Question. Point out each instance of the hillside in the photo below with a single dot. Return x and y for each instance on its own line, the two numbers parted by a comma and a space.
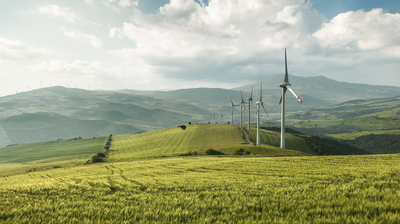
48, 155
329, 90
60, 113
372, 125
199, 138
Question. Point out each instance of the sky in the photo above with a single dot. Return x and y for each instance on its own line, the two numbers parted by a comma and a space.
175, 44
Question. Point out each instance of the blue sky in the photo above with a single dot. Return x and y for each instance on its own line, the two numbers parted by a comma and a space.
137, 44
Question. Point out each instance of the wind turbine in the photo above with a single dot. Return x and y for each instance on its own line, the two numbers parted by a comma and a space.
27, 87
221, 117
214, 117
241, 109
250, 99
232, 105
285, 85
41, 83
259, 103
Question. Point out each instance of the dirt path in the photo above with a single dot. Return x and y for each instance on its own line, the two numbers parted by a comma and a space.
245, 136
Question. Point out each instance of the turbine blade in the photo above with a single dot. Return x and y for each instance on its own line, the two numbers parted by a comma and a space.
231, 101
280, 101
286, 71
251, 95
294, 94
261, 91
241, 95
265, 110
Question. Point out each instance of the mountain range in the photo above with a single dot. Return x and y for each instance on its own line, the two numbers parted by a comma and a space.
62, 113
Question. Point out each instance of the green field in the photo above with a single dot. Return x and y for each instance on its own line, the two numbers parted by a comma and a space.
200, 137
210, 189
146, 179
44, 155
353, 135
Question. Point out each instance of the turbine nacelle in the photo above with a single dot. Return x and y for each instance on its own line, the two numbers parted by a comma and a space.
284, 84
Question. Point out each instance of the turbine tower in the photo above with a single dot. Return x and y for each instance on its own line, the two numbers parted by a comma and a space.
241, 109
285, 85
250, 99
221, 117
214, 117
259, 103
232, 105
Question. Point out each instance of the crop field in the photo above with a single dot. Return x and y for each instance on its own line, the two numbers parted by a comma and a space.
175, 141
21, 158
353, 135
210, 189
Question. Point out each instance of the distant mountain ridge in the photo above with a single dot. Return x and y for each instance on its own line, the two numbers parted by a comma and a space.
78, 112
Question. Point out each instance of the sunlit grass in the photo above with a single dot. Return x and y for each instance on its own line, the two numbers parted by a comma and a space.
335, 189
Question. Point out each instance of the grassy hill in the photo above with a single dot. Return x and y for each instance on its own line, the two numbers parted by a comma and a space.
45, 155
146, 179
199, 138
372, 125
60, 113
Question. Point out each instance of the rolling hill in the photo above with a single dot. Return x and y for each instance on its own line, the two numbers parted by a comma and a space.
62, 113
372, 125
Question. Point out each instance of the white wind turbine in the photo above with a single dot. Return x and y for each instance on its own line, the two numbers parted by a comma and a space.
232, 105
214, 117
285, 86
259, 103
250, 99
221, 117
241, 109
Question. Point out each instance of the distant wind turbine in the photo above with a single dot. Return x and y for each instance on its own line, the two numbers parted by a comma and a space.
27, 87
232, 105
241, 109
250, 99
214, 117
259, 103
285, 86
221, 117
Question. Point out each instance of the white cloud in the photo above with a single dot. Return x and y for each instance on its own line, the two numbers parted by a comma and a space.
84, 38
116, 5
76, 67
360, 30
17, 50
58, 11
221, 41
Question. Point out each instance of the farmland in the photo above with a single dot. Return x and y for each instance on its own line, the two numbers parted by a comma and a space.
36, 156
206, 189
147, 179
199, 137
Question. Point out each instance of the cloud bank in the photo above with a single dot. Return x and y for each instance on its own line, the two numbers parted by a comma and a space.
238, 40
17, 50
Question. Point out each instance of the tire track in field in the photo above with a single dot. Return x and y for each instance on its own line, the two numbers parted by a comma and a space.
245, 136
141, 185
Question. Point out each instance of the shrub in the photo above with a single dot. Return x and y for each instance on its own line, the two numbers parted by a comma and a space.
241, 152
190, 153
97, 159
102, 155
213, 152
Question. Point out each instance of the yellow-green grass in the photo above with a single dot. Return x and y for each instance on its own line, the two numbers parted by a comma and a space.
197, 137
20, 158
334, 189
272, 138
364, 123
353, 135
